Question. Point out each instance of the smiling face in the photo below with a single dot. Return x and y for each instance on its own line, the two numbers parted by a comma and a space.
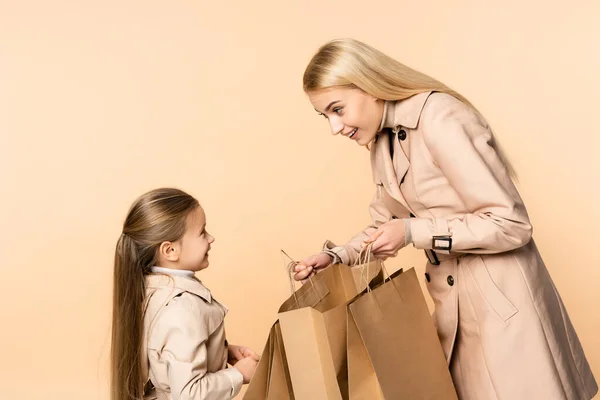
350, 112
196, 242
190, 252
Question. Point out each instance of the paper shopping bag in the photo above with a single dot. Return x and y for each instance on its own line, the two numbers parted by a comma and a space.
362, 380
271, 380
305, 356
391, 333
313, 324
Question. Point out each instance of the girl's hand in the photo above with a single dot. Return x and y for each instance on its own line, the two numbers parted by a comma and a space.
387, 239
238, 353
247, 367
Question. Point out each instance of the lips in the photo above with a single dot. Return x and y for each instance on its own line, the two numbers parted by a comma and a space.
351, 134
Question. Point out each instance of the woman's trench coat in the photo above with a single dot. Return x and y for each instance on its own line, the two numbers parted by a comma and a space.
502, 324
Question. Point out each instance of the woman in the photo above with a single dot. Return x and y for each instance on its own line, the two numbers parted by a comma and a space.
443, 185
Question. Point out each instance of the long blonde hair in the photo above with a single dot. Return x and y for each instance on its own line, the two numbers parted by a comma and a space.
349, 63
155, 217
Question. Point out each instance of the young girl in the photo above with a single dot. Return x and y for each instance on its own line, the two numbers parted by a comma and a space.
168, 336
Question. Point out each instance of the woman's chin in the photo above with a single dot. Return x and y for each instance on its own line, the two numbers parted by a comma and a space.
364, 141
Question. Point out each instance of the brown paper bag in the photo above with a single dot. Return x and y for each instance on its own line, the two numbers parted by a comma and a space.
271, 379
391, 333
313, 324
362, 380
311, 359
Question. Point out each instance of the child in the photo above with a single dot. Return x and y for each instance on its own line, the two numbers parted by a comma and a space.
168, 336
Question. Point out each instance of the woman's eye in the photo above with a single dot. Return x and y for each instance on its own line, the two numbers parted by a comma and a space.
337, 110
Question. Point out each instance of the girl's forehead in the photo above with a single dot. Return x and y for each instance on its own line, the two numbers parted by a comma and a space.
197, 217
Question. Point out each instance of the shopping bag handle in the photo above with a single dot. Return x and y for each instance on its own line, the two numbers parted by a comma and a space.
360, 262
364, 258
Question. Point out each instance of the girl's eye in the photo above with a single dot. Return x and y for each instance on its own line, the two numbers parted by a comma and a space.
337, 110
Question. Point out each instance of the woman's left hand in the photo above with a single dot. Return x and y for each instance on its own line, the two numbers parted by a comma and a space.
387, 239
237, 353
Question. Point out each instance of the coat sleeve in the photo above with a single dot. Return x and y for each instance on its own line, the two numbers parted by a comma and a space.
183, 338
461, 145
348, 253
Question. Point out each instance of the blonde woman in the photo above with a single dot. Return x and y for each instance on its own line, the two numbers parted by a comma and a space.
443, 185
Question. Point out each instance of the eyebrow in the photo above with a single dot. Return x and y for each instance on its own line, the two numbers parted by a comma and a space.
329, 105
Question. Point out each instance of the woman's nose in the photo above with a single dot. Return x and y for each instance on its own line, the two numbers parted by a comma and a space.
336, 126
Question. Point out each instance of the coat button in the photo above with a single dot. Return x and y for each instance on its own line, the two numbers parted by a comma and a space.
450, 280
427, 277
402, 134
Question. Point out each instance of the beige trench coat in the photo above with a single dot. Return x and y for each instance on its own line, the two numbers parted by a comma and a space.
500, 319
184, 342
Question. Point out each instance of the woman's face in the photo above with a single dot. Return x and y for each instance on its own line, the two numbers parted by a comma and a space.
351, 112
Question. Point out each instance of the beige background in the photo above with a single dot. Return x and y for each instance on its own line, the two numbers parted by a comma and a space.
102, 100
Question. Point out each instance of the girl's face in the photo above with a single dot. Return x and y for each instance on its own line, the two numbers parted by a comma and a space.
350, 112
195, 244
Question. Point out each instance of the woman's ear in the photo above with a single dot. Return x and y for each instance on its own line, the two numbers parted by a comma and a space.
169, 251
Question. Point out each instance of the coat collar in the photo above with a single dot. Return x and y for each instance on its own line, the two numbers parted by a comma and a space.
403, 112
157, 281
388, 171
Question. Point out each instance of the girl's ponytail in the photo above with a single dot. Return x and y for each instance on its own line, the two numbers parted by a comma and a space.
127, 322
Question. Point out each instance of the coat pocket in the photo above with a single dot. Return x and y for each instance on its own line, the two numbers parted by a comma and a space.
489, 290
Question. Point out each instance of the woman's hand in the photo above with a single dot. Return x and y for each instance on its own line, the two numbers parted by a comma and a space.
387, 239
313, 263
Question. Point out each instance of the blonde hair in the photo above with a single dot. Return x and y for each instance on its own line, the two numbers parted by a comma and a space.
349, 63
155, 217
